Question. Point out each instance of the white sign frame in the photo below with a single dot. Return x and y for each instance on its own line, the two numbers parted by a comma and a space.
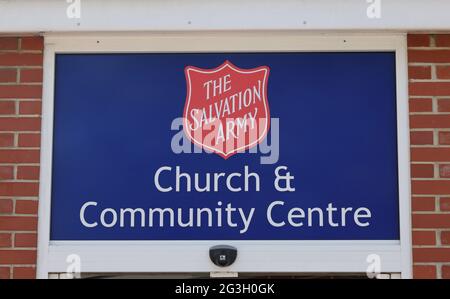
253, 256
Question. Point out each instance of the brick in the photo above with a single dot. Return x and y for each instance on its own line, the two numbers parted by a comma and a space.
424, 238
423, 203
444, 138
4, 271
19, 156
419, 72
29, 140
9, 43
443, 72
19, 223
431, 56
19, 189
445, 238
26, 207
429, 88
20, 59
6, 172
21, 91
442, 40
418, 40
423, 255
431, 187
421, 105
422, 170
30, 107
8, 75
6, 139
7, 107
24, 272
421, 137
429, 121
32, 43
20, 124
430, 154
5, 240
31, 75
6, 206
424, 271
8, 257
25, 240
430, 221
446, 271
28, 172
444, 203
444, 171
444, 105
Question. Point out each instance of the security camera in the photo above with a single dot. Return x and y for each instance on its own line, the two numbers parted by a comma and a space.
223, 255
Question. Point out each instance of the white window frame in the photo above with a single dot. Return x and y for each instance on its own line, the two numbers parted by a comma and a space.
253, 256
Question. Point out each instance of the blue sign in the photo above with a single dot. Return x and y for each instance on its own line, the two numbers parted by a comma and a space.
130, 164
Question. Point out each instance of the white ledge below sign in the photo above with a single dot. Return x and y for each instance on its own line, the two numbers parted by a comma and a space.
253, 256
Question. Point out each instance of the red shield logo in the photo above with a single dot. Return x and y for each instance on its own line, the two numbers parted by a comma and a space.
226, 109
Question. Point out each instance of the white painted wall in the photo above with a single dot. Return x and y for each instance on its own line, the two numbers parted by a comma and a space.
180, 15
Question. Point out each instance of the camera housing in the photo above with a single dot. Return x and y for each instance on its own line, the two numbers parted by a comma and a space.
223, 255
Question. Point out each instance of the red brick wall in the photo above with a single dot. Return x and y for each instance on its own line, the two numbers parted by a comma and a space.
20, 120
429, 90
20, 110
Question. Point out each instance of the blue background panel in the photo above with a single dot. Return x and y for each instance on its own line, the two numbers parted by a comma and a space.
113, 114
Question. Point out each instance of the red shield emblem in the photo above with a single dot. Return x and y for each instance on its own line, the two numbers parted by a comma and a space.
226, 109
